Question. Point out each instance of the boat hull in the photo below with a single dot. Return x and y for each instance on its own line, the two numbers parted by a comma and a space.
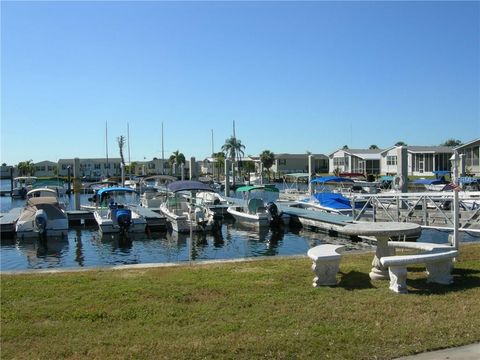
109, 226
262, 219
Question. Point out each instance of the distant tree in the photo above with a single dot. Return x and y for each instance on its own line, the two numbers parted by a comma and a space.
177, 158
26, 168
131, 168
219, 161
400, 143
373, 147
4, 164
452, 143
345, 147
308, 152
267, 159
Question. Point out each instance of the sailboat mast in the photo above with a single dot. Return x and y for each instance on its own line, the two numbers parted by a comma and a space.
128, 142
163, 154
213, 151
106, 145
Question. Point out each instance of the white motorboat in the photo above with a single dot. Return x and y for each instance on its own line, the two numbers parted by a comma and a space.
21, 185
154, 190
258, 208
43, 215
115, 211
182, 210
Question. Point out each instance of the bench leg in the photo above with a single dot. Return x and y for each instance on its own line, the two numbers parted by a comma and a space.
440, 272
326, 271
398, 279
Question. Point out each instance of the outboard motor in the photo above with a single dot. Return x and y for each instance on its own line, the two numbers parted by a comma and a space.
40, 222
273, 210
124, 219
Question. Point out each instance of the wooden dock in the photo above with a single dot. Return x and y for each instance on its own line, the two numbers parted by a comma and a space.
155, 220
7, 222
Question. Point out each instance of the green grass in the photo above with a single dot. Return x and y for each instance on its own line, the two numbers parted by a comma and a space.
250, 310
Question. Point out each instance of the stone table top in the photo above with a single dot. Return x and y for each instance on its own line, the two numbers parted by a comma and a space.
382, 229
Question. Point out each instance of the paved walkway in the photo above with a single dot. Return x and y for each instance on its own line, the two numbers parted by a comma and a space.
468, 352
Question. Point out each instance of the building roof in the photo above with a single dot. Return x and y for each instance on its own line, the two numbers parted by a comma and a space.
468, 144
424, 149
297, 156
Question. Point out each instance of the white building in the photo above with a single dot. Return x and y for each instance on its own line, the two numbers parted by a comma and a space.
471, 156
422, 160
362, 161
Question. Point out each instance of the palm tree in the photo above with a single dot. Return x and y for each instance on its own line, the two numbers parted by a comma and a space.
373, 147
177, 158
345, 147
233, 148
267, 159
26, 168
400, 143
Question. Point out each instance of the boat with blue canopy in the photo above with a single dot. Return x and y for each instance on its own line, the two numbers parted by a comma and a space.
330, 199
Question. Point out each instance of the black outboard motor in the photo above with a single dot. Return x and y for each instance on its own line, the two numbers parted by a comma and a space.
124, 219
40, 224
273, 210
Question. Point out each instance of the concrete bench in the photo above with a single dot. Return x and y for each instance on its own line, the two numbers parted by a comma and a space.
326, 262
436, 257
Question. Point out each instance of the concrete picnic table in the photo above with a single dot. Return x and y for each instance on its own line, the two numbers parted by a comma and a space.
382, 231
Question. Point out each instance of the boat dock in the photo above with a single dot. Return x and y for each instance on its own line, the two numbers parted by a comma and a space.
332, 224
155, 221
8, 220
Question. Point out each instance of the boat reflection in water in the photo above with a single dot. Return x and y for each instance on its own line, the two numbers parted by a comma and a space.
44, 252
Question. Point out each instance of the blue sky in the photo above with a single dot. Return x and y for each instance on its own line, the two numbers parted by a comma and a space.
294, 76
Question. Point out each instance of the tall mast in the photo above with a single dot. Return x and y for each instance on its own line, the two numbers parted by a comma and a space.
163, 154
213, 151
128, 141
106, 143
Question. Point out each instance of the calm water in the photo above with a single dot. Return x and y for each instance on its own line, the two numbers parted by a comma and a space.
85, 247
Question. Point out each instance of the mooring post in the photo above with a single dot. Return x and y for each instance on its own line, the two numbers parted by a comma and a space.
77, 186
310, 172
69, 180
456, 208
193, 172
227, 180
11, 181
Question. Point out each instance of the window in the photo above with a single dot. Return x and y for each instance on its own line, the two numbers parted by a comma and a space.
151, 165
338, 161
391, 160
282, 161
97, 166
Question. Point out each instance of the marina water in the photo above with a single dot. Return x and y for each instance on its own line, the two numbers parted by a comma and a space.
86, 247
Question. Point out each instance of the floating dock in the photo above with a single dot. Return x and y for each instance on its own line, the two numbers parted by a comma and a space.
155, 221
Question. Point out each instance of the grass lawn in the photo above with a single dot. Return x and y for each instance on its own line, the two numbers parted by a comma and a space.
248, 310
